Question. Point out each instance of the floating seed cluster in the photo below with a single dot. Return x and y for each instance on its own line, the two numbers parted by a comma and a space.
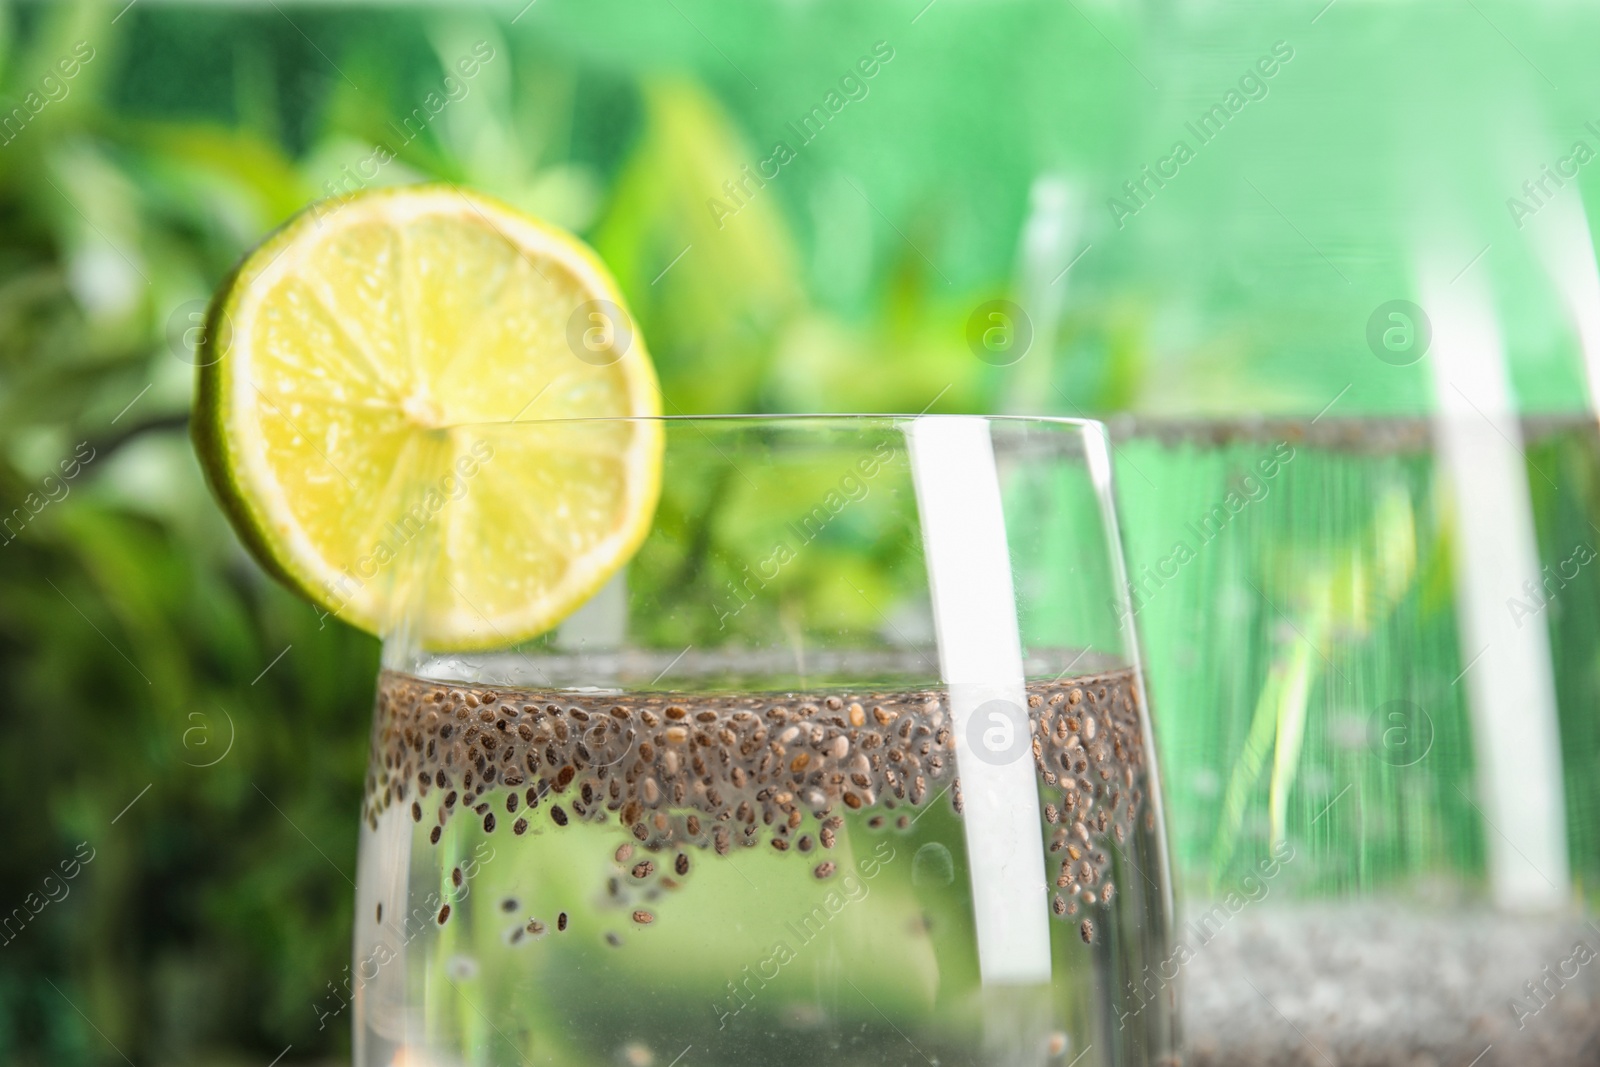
739, 771
1088, 747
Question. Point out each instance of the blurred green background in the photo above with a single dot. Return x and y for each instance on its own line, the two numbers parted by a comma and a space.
198, 728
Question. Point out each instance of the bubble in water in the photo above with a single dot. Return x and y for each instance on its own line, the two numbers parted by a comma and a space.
932, 866
636, 1054
461, 968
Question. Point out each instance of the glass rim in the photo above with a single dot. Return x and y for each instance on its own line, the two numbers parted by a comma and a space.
759, 419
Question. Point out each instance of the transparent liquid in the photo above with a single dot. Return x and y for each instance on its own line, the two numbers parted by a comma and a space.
1384, 793
742, 879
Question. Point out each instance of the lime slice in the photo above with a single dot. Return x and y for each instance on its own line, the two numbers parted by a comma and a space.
356, 375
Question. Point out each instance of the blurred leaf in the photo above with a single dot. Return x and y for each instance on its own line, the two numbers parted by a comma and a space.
711, 325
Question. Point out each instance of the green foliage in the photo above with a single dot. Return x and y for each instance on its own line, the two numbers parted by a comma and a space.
205, 734
192, 722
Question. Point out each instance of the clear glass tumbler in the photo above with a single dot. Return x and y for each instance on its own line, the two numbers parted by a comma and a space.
850, 764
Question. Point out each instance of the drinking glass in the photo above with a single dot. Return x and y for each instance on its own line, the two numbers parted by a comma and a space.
1386, 817
849, 764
